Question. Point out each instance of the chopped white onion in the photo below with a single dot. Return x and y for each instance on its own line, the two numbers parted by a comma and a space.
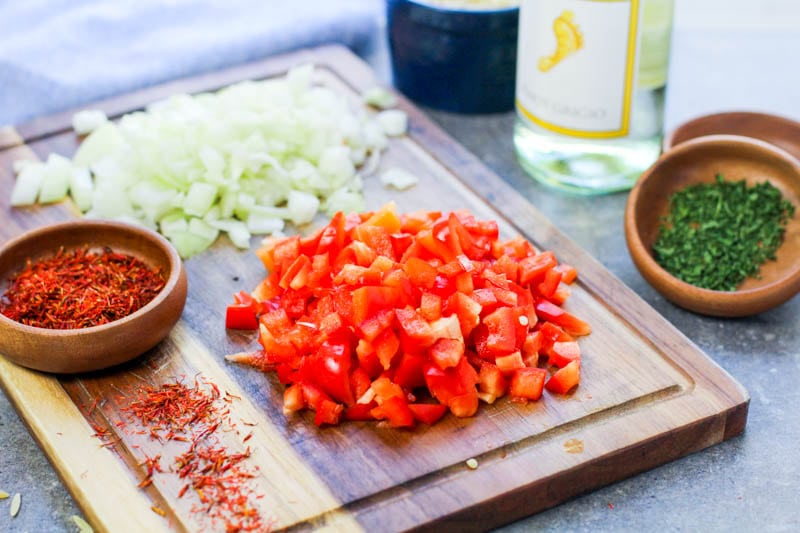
26, 188
393, 121
88, 120
398, 178
242, 161
380, 97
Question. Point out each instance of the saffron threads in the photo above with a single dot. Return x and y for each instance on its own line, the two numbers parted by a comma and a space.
217, 479
80, 289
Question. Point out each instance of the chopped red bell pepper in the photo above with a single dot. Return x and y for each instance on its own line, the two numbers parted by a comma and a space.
427, 413
363, 315
565, 379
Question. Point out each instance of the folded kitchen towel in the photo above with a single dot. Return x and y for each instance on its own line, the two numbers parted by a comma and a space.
58, 54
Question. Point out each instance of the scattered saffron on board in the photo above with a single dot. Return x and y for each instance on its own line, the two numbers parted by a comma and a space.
218, 479
80, 289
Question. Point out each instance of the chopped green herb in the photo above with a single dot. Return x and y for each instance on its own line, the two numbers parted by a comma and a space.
717, 234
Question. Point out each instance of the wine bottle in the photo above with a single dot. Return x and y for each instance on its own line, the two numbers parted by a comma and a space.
591, 78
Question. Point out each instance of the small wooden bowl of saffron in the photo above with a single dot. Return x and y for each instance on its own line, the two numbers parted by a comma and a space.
84, 349
696, 161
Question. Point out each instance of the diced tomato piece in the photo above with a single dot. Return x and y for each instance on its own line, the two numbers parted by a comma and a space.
415, 328
396, 410
466, 309
241, 316
565, 379
415, 221
518, 248
401, 242
493, 279
267, 291
464, 283
533, 269
243, 297
296, 274
447, 353
551, 280
328, 412
439, 249
329, 369
427, 413
485, 297
330, 323
359, 382
430, 306
293, 399
563, 353
451, 382
284, 253
367, 301
447, 327
409, 371
376, 324
464, 405
312, 395
570, 323
420, 272
277, 349
368, 358
320, 274
376, 237
342, 299
486, 228
384, 388
346, 256
333, 236
360, 411
364, 255
508, 364
310, 243
527, 383
562, 293
501, 325
491, 381
508, 266
505, 296
531, 348
568, 273
387, 345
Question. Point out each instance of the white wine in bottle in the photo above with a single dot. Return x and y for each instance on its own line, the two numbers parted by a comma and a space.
591, 77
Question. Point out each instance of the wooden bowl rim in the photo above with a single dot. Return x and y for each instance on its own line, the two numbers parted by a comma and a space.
698, 299
171, 283
669, 139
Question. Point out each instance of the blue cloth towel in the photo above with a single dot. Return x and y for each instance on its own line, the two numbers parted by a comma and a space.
58, 54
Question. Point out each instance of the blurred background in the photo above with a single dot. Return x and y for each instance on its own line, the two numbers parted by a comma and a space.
58, 54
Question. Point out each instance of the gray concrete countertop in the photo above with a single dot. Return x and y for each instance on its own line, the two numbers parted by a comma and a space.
726, 55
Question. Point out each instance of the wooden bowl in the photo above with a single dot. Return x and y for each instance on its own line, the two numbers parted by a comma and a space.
93, 348
780, 131
699, 160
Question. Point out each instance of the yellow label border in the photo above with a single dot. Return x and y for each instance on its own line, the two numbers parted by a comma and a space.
630, 64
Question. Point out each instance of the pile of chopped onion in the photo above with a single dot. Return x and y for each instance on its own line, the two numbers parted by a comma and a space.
242, 161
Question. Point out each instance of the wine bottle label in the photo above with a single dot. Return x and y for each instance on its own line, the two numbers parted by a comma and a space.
576, 65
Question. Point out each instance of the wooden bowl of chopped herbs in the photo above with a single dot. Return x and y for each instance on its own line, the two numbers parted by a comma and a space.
86, 295
712, 226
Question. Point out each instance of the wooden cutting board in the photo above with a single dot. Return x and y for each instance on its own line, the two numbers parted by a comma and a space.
647, 394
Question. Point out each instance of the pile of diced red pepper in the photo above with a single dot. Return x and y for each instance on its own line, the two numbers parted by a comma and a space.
380, 316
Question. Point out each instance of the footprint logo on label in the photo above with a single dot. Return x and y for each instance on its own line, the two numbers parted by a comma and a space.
568, 40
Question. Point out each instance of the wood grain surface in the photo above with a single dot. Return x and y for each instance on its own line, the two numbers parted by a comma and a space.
647, 394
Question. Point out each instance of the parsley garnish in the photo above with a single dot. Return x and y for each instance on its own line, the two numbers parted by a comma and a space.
717, 234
